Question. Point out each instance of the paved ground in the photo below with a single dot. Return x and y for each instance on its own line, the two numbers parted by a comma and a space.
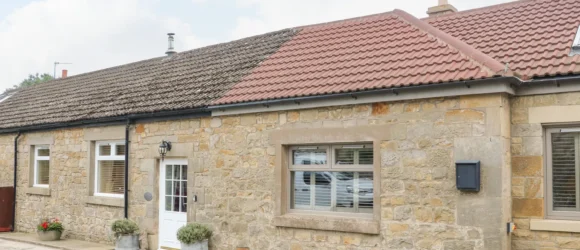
15, 245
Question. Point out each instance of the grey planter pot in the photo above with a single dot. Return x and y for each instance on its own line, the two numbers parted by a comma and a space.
49, 235
200, 245
127, 242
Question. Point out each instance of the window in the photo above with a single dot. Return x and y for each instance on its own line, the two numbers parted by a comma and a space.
563, 175
336, 178
41, 166
110, 169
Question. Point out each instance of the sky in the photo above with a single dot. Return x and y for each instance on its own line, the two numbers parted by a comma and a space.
97, 34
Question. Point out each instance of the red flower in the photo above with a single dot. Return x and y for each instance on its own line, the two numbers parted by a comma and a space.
45, 225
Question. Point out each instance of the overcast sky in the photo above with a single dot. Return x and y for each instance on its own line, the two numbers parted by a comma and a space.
96, 34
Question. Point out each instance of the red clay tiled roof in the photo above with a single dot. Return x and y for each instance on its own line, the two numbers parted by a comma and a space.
534, 37
387, 50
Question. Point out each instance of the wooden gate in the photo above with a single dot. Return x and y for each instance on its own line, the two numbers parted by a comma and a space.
6, 208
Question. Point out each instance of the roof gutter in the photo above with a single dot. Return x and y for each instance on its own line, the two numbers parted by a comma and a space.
117, 120
511, 79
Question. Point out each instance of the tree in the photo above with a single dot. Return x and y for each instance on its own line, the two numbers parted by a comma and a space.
31, 80
34, 79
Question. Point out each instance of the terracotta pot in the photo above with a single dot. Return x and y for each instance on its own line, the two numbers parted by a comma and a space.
49, 235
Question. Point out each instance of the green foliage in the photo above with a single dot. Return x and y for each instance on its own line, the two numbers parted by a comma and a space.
34, 79
192, 233
124, 227
31, 80
50, 225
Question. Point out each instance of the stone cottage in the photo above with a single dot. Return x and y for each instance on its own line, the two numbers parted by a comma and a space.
341, 135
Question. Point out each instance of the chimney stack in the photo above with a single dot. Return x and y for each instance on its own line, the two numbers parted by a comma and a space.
64, 73
170, 47
443, 8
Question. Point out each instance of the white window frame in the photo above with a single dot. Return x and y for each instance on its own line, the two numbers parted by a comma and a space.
40, 158
330, 166
112, 157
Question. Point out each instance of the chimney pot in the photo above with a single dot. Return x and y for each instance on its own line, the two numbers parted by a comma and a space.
443, 8
170, 44
64, 73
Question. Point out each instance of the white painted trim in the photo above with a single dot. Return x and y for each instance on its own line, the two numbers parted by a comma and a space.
555, 225
111, 157
40, 158
423, 92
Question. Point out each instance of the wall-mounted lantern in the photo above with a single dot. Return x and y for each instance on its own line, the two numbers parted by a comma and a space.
164, 147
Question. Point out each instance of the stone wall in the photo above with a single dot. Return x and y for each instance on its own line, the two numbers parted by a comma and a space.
528, 181
232, 170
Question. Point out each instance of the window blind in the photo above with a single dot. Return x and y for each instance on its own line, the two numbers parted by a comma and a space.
333, 191
564, 171
111, 177
42, 172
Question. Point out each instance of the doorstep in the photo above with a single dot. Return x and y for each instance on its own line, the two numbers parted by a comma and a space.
65, 244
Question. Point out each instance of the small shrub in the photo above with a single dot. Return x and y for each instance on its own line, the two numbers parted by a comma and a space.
124, 227
193, 233
50, 225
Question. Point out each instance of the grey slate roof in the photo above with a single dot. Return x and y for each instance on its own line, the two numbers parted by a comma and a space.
186, 80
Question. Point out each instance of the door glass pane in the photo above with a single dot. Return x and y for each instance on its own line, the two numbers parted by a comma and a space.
176, 204
177, 186
168, 172
309, 157
184, 172
42, 173
176, 172
168, 203
183, 204
184, 188
564, 171
168, 187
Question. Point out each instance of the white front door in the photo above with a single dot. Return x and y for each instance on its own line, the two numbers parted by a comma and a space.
172, 201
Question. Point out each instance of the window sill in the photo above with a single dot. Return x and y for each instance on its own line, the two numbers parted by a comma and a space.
105, 201
555, 225
329, 223
38, 191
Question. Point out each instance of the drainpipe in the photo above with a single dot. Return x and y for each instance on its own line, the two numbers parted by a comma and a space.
126, 195
15, 180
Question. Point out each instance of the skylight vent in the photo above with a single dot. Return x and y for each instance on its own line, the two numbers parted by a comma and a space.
576, 43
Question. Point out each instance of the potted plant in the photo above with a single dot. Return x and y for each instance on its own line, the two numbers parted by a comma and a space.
194, 237
126, 234
50, 229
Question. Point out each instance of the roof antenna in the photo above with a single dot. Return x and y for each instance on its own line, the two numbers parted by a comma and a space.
54, 70
170, 47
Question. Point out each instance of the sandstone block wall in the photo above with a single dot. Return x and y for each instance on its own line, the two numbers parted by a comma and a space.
232, 165
529, 166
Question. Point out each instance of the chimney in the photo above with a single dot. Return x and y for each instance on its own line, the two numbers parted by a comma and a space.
64, 73
170, 48
443, 8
